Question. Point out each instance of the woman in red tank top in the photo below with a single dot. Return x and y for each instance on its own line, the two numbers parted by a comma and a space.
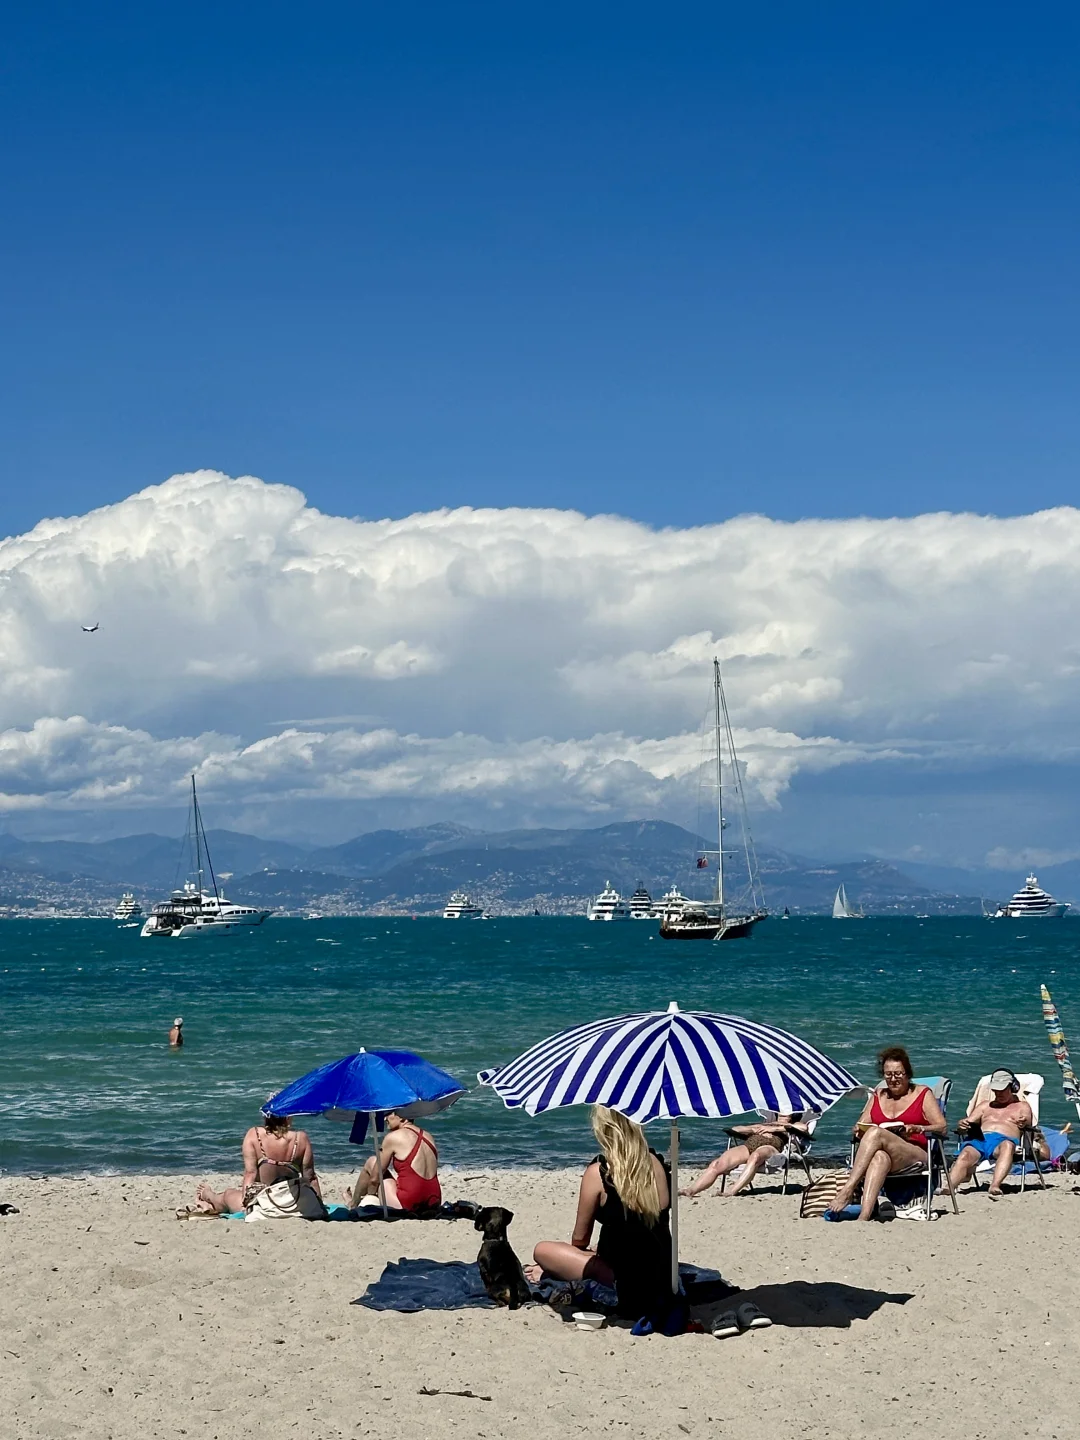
893, 1127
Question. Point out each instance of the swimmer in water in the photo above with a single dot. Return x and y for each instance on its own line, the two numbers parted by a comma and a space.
176, 1034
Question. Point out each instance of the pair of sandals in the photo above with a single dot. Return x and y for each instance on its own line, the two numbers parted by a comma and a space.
744, 1317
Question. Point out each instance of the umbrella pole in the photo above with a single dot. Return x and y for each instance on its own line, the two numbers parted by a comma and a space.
378, 1162
674, 1207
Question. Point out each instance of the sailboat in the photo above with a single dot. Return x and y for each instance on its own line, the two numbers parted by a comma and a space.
841, 910
194, 910
721, 918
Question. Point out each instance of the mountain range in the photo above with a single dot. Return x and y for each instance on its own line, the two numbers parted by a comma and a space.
414, 870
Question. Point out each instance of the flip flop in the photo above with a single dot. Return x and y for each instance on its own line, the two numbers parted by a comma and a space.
885, 1208
749, 1317
726, 1326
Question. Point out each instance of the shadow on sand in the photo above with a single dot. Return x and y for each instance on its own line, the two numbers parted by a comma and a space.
825, 1303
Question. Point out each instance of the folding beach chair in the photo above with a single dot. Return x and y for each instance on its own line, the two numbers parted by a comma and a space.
1027, 1162
797, 1148
936, 1165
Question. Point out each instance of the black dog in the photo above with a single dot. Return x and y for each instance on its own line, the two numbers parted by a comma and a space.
500, 1269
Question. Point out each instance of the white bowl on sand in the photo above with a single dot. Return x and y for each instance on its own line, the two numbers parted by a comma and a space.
587, 1319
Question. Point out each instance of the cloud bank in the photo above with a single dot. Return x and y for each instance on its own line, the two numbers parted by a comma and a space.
534, 660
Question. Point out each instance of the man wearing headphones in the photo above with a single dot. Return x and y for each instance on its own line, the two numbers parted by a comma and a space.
991, 1131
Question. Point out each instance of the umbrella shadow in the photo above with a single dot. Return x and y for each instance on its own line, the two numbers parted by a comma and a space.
826, 1304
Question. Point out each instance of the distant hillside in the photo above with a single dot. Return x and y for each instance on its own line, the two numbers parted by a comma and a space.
414, 870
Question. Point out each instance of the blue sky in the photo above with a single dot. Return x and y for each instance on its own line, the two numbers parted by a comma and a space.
675, 263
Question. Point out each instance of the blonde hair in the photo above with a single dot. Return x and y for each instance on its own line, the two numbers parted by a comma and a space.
629, 1162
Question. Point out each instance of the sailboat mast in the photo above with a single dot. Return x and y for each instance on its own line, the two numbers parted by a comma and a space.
198, 846
719, 792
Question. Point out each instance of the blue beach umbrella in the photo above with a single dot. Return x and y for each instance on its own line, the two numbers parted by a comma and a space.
363, 1086
669, 1063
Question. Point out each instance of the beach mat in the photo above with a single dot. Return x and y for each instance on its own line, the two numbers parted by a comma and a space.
410, 1286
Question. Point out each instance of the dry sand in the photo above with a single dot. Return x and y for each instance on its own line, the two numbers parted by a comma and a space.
116, 1320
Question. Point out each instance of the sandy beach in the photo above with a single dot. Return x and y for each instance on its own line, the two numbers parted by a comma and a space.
118, 1321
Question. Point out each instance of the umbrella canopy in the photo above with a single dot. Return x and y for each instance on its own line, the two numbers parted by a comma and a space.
1060, 1049
669, 1063
367, 1083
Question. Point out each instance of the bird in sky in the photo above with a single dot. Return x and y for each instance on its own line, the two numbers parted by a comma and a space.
89, 629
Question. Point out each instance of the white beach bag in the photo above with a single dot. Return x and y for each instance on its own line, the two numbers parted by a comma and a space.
287, 1200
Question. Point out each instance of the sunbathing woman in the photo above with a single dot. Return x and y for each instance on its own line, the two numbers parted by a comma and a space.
410, 1166
911, 1114
271, 1152
761, 1144
626, 1190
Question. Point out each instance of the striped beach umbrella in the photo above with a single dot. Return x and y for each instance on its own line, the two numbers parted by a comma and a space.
1061, 1050
666, 1064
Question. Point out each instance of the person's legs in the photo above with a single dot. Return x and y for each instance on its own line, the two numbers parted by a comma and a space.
755, 1163
869, 1146
901, 1153
873, 1180
963, 1167
562, 1261
1004, 1156
208, 1200
367, 1183
722, 1165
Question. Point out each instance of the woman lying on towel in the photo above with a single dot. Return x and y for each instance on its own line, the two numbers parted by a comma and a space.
410, 1168
626, 1191
271, 1152
759, 1144
892, 1132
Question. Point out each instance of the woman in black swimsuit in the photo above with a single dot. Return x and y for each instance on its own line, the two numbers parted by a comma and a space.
271, 1152
627, 1191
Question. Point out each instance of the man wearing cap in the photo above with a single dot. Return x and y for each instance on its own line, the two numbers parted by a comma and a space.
991, 1131
176, 1034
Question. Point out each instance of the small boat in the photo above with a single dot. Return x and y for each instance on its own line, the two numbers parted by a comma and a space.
841, 910
1031, 903
193, 909
608, 905
719, 918
127, 908
786, 915
461, 907
641, 905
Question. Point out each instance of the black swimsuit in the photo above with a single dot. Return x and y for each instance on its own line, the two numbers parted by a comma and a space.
639, 1254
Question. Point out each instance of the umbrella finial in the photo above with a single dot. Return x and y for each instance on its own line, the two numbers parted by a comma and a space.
673, 1008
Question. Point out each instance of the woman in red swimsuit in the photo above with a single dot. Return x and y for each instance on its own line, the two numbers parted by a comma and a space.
911, 1113
410, 1164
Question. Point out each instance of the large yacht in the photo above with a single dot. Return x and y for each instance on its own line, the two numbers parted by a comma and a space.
641, 905
461, 907
127, 908
1031, 902
608, 905
194, 909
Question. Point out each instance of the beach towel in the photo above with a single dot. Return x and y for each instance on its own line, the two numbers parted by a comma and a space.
410, 1286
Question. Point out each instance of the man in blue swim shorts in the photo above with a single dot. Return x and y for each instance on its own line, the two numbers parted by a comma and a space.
991, 1131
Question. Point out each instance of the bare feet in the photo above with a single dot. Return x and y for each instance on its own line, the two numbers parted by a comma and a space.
533, 1273
995, 1193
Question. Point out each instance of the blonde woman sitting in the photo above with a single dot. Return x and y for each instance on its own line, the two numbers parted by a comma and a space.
759, 1144
625, 1191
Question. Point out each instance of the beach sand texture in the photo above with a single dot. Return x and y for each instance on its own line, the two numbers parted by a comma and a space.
118, 1321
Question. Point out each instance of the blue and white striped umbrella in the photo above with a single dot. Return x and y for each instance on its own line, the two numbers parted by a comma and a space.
671, 1063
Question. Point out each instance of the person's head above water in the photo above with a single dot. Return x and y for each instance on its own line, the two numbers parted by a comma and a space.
629, 1162
178, 1023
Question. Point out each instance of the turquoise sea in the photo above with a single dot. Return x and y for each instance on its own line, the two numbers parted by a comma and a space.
87, 1082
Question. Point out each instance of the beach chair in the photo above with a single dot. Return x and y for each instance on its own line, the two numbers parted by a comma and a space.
793, 1150
936, 1167
1027, 1161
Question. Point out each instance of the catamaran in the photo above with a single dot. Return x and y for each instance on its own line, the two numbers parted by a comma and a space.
725, 916
194, 910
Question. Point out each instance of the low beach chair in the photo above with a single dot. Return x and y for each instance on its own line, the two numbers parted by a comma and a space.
936, 1166
1027, 1161
796, 1149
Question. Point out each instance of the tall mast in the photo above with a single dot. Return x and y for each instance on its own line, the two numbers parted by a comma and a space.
719, 792
198, 845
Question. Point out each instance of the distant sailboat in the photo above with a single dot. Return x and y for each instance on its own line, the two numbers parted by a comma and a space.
841, 910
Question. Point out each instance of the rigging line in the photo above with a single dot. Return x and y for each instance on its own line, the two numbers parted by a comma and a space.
757, 891
198, 823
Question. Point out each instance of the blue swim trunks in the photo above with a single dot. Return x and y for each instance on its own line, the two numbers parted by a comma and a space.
988, 1144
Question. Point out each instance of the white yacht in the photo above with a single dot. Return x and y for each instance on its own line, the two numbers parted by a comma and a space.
461, 907
1031, 902
194, 910
127, 908
672, 902
641, 905
608, 905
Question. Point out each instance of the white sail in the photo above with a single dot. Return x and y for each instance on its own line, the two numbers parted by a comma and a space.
840, 908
